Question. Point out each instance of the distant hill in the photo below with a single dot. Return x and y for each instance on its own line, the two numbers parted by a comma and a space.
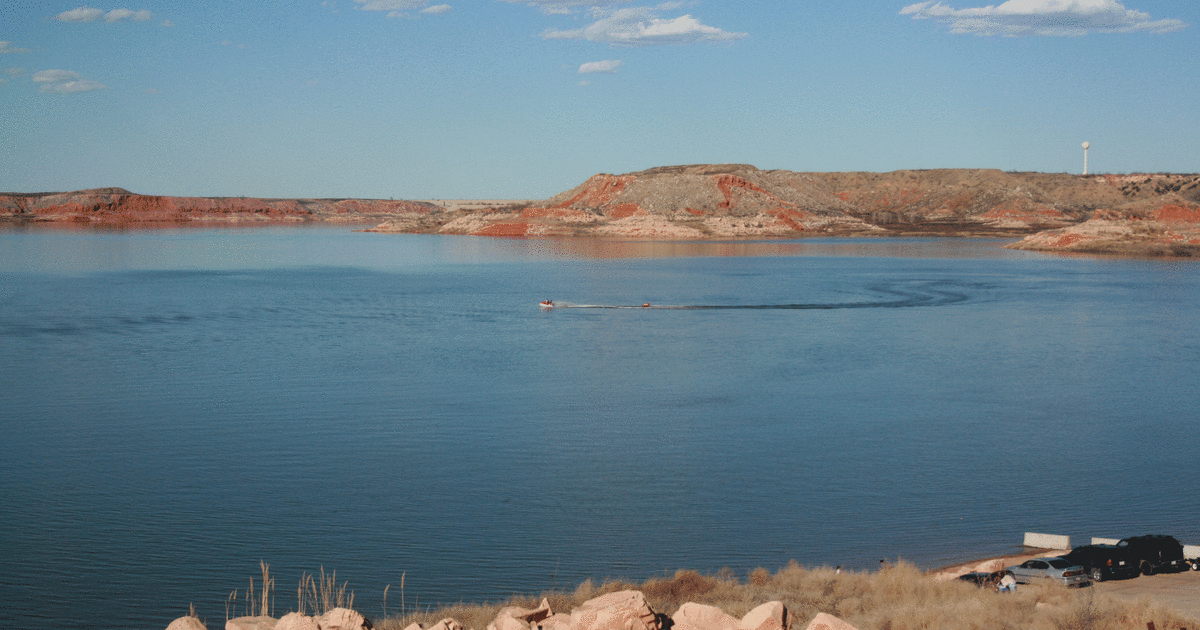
117, 206
738, 200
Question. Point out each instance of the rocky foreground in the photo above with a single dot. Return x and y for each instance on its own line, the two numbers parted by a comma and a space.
623, 610
1137, 215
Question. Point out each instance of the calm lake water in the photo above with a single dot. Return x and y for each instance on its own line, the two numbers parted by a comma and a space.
176, 405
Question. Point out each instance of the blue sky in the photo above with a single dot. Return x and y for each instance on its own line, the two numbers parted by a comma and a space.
425, 99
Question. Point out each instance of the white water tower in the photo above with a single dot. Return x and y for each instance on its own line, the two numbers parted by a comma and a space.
1085, 148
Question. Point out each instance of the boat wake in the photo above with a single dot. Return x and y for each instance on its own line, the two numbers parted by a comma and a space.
895, 295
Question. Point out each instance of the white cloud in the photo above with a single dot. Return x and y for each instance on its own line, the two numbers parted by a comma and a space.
641, 27
566, 6
609, 65
65, 82
7, 47
52, 76
89, 14
401, 8
82, 14
168, 23
585, 83
390, 5
68, 87
123, 15
1043, 17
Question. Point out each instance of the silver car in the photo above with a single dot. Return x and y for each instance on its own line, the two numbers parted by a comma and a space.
1058, 569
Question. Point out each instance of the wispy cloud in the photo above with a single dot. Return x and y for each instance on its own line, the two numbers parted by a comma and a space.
401, 8
65, 82
90, 14
641, 26
1043, 17
566, 6
609, 65
127, 15
11, 73
8, 48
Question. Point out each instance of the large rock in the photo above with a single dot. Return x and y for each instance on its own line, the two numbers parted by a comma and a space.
769, 616
828, 622
623, 610
186, 623
343, 619
297, 621
251, 623
506, 622
691, 616
517, 618
557, 621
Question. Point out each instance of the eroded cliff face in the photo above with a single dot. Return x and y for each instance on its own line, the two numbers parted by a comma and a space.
1165, 226
116, 206
738, 200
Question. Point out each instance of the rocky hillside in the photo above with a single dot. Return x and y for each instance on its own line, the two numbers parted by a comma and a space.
738, 200
1147, 214
110, 206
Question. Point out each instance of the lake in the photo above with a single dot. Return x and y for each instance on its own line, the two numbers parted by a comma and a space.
178, 404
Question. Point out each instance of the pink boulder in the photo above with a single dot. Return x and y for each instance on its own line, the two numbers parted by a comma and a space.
691, 616
558, 621
769, 616
623, 610
528, 614
297, 621
251, 623
343, 619
186, 623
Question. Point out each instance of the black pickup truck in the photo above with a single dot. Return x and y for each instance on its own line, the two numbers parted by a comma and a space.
1155, 554
1104, 562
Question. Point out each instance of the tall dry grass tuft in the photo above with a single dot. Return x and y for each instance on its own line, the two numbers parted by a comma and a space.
268, 586
320, 594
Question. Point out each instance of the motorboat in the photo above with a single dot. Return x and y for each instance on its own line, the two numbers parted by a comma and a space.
546, 304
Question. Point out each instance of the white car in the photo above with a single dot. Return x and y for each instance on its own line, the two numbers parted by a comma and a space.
1064, 571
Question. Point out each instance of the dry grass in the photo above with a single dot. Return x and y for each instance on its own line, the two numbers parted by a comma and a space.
254, 602
320, 593
898, 597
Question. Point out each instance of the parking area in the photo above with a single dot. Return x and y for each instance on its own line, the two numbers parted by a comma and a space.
1180, 591
1177, 590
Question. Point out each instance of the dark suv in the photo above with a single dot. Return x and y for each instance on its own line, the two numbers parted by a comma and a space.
1154, 554
1104, 562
